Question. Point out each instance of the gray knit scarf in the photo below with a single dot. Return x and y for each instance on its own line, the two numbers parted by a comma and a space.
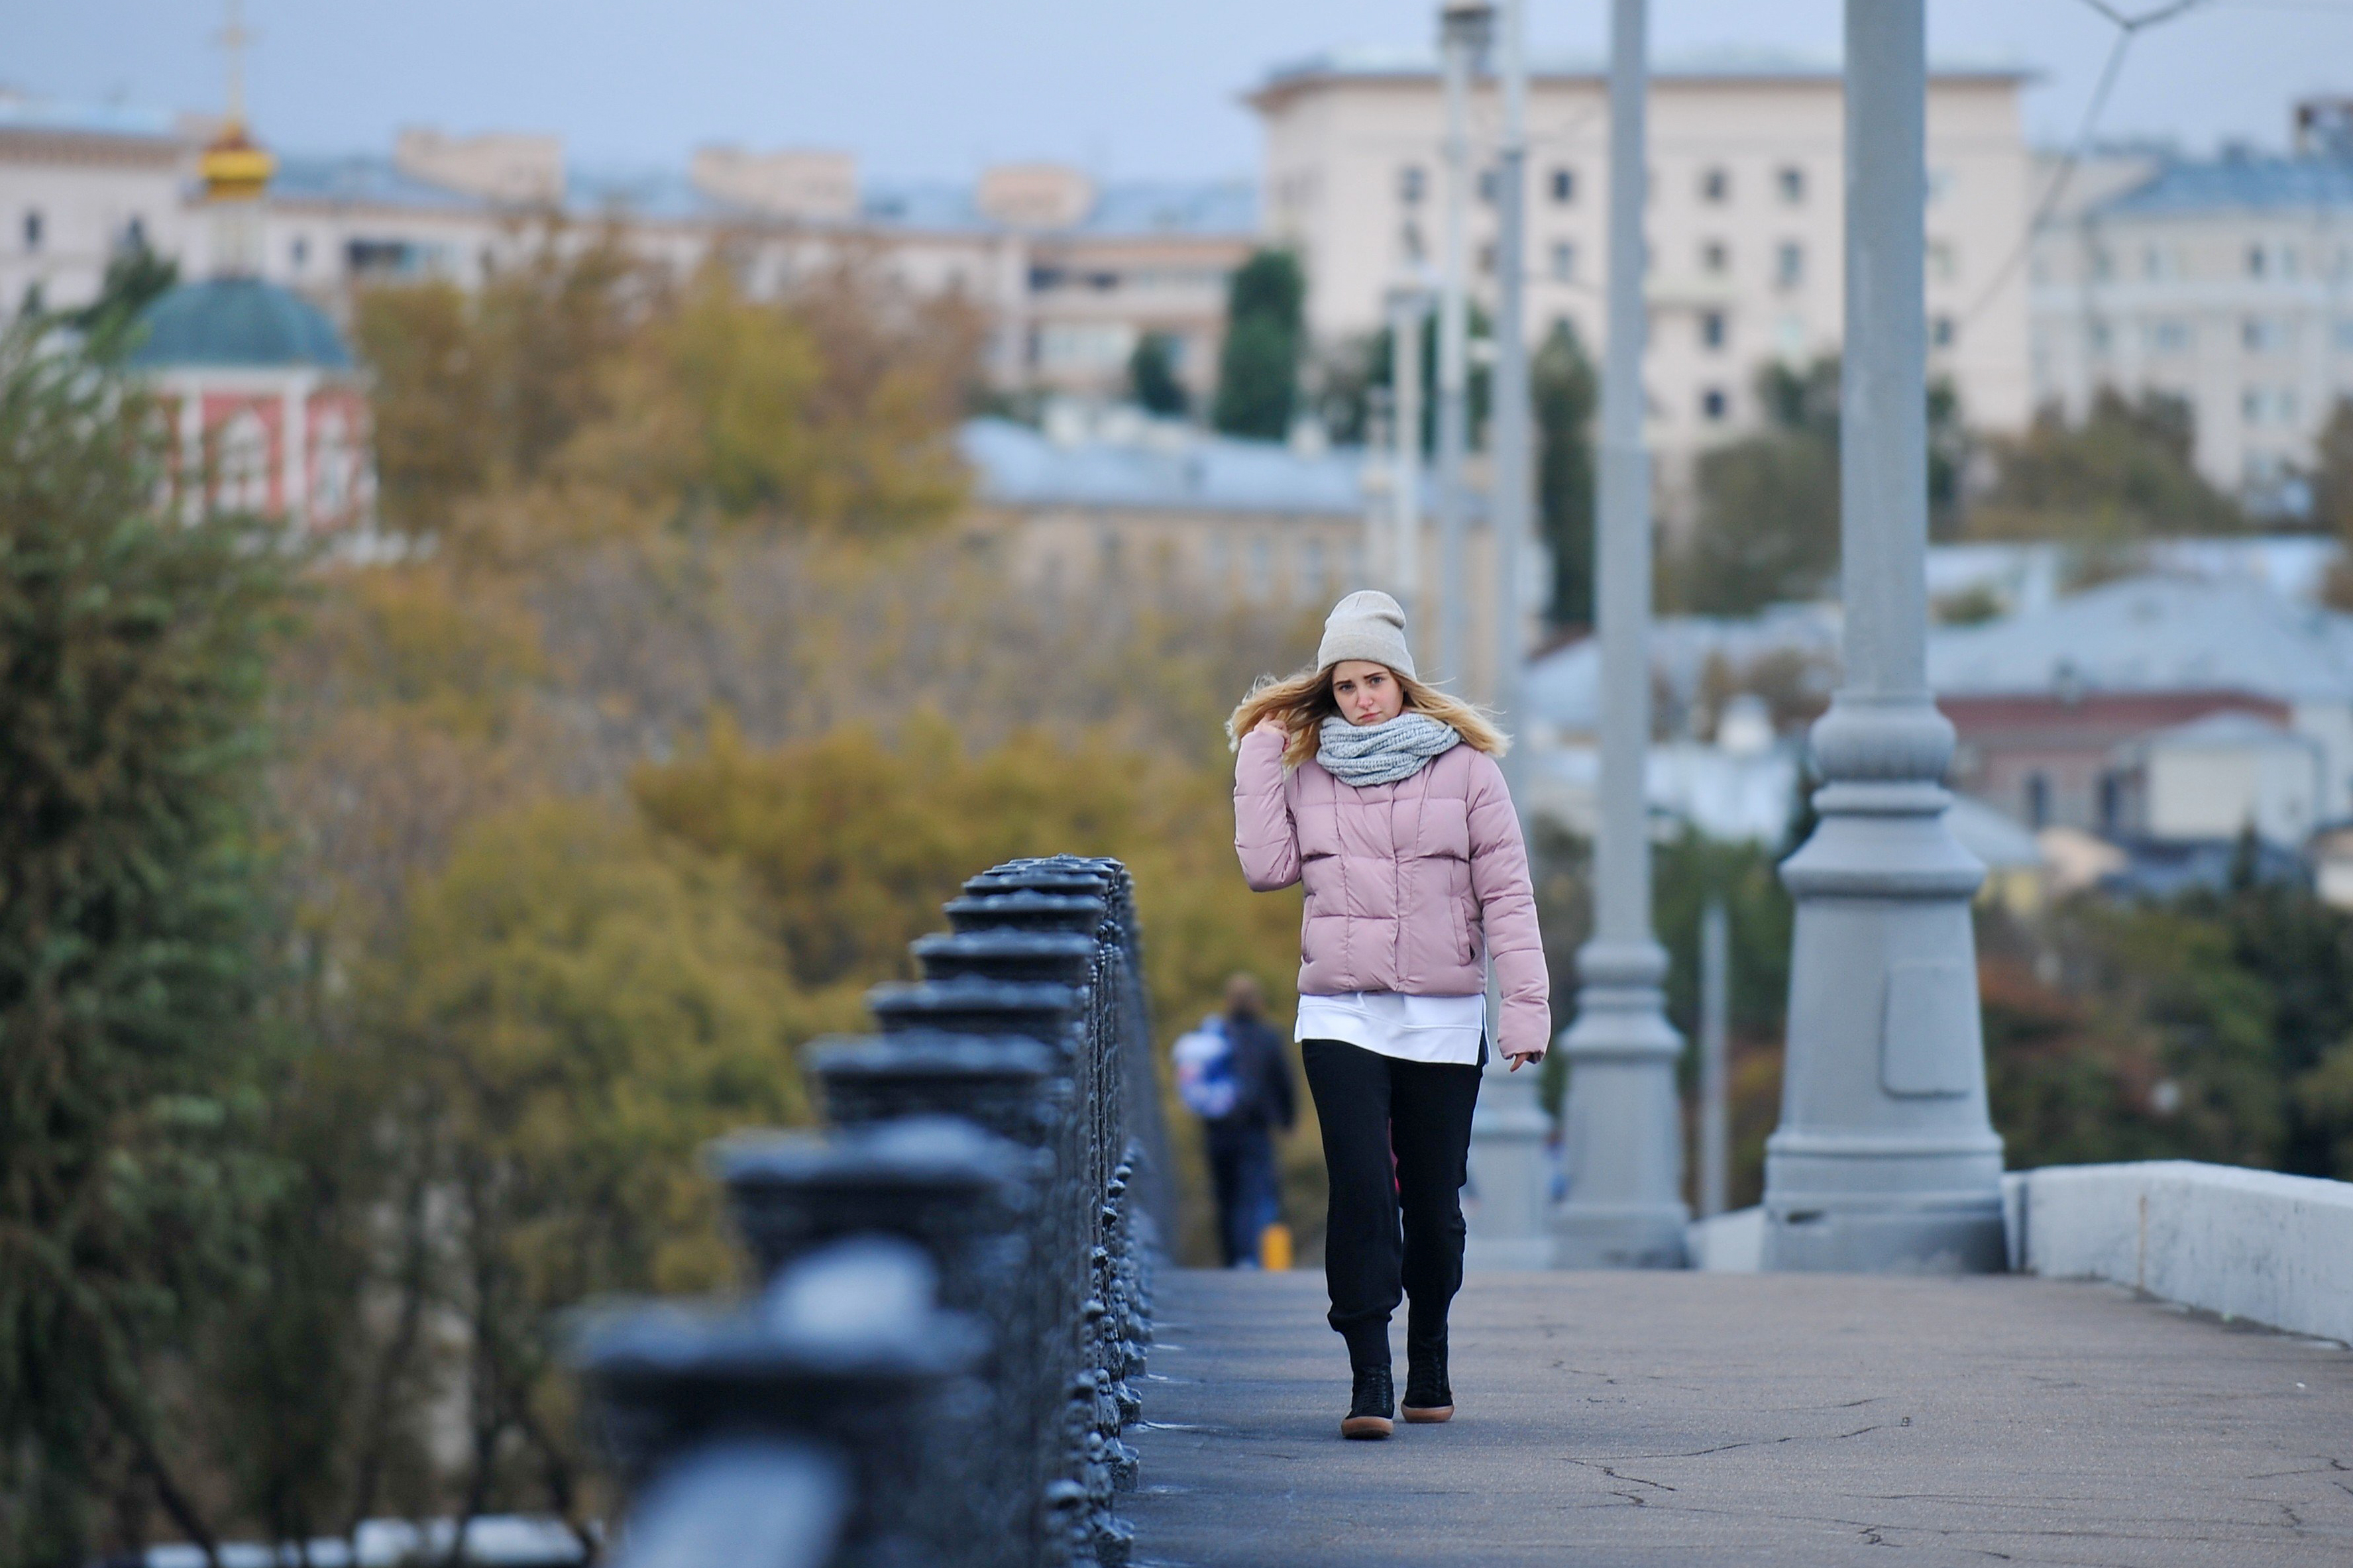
1363, 754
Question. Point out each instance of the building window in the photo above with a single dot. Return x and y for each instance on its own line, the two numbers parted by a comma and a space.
1791, 182
2345, 336
1488, 185
2168, 336
1564, 186
1411, 184
1715, 257
2264, 334
2256, 261
1940, 331
1711, 329
2104, 266
1943, 265
2289, 261
1563, 261
1714, 185
1789, 264
1487, 260
2268, 406
1940, 182
2099, 336
2038, 800
1713, 405
1409, 241
299, 252
244, 470
135, 234
33, 228
1261, 581
1314, 571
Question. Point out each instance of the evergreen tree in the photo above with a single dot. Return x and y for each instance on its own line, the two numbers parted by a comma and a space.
133, 655
1566, 393
1152, 376
1258, 373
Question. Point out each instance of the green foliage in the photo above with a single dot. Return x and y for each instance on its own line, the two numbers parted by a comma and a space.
2332, 495
1152, 376
1371, 362
1767, 529
1258, 369
1566, 394
2126, 473
135, 276
132, 1059
1767, 526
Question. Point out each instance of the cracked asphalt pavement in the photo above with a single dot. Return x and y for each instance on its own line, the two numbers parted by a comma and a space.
1656, 1419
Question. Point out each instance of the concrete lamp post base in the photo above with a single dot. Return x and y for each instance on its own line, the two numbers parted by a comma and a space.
1509, 1183
1884, 1160
1623, 1128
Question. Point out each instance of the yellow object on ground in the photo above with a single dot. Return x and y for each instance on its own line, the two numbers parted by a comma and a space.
1274, 1247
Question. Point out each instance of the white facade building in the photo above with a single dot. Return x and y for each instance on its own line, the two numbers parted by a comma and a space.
2226, 282
1746, 233
78, 185
1068, 275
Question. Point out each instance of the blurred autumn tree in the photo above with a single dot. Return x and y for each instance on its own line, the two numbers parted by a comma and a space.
683, 711
2124, 472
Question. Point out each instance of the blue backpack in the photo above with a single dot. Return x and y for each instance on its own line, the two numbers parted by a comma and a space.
1205, 1070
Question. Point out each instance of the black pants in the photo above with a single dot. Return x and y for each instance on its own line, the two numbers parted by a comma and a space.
1394, 1230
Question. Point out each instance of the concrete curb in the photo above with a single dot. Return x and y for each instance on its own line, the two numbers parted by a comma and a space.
2272, 1249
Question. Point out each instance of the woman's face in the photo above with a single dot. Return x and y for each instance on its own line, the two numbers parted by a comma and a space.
1367, 693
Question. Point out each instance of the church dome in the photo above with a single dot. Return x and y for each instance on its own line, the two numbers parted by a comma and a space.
235, 321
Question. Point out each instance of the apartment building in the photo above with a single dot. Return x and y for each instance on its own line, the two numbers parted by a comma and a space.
1070, 274
1746, 229
78, 185
2225, 281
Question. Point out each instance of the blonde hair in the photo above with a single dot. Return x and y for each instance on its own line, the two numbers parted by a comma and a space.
1301, 703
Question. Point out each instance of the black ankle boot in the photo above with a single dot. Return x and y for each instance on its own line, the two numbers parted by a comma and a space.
1369, 1404
1428, 1397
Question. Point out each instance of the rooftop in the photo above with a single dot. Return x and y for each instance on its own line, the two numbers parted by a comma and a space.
1379, 62
1160, 466
2154, 634
236, 322
22, 111
1136, 208
2236, 182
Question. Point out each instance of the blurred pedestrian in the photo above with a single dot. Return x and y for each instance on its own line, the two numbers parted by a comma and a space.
1232, 1073
1382, 796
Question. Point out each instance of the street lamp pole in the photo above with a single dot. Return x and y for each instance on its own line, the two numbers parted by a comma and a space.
1508, 1131
1884, 1158
1462, 33
1408, 308
1623, 1134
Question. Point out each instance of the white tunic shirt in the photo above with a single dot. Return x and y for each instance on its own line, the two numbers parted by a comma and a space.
1390, 1024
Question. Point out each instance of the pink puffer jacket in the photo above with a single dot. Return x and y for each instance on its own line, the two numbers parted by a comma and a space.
1410, 885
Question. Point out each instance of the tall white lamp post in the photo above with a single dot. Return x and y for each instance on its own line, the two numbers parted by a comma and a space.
1884, 1158
1623, 1127
1508, 1131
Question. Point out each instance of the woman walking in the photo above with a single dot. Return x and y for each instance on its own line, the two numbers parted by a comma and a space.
1383, 796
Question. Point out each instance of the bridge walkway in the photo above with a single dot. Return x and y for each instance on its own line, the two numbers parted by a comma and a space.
1648, 1420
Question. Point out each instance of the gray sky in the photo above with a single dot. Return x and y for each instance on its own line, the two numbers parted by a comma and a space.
1124, 88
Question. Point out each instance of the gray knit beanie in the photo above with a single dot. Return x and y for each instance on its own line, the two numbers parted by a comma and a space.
1369, 625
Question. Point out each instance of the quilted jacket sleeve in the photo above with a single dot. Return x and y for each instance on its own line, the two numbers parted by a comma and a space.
1507, 909
1264, 834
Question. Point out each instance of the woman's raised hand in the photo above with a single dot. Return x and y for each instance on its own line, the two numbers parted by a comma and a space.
1271, 727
